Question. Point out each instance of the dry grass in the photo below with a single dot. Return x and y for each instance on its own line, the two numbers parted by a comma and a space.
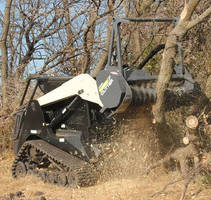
117, 189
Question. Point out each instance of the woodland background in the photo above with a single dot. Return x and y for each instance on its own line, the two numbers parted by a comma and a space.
65, 37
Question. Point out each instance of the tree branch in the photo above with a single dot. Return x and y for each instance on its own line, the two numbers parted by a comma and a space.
188, 9
199, 19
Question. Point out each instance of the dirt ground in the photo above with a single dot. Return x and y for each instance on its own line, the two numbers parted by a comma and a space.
130, 188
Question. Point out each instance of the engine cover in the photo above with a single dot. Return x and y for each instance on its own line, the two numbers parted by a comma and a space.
114, 91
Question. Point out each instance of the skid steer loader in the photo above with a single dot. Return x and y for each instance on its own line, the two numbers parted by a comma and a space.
55, 136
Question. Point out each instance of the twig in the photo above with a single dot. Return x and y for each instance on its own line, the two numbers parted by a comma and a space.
196, 171
165, 187
186, 187
190, 176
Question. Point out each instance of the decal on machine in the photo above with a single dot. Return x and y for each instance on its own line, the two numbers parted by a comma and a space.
114, 73
61, 140
35, 132
105, 85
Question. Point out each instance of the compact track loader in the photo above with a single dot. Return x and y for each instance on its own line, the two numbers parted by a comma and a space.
55, 136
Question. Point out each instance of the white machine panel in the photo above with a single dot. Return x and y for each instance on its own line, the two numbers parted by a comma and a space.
83, 85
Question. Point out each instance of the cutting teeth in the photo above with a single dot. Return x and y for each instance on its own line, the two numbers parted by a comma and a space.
143, 95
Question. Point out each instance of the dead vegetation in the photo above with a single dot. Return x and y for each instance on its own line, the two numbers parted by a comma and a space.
144, 162
154, 186
129, 156
127, 174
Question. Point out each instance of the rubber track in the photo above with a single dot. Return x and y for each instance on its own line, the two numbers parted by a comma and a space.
84, 172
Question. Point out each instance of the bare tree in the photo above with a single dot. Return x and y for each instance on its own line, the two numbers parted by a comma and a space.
102, 61
184, 24
88, 37
4, 56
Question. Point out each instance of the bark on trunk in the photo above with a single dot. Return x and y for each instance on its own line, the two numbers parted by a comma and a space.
4, 52
183, 25
102, 62
88, 40
70, 37
164, 76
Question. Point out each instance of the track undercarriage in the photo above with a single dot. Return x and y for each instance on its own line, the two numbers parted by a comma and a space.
53, 165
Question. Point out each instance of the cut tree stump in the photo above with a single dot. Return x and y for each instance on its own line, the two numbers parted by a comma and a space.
192, 124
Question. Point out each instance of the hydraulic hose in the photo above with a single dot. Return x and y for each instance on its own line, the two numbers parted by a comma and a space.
151, 54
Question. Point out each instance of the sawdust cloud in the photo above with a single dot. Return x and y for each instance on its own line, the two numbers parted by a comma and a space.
135, 147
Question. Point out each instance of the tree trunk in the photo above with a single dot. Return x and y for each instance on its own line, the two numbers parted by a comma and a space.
70, 37
102, 62
4, 52
88, 40
184, 24
164, 76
